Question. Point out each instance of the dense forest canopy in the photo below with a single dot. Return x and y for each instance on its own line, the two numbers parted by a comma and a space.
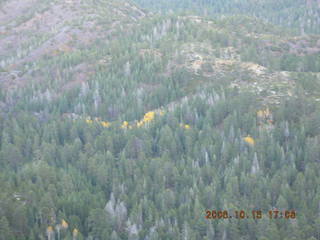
302, 15
118, 122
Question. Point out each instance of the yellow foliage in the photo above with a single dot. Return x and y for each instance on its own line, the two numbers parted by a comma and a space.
264, 113
75, 232
185, 126
125, 124
105, 124
139, 124
49, 229
64, 224
149, 116
260, 113
249, 140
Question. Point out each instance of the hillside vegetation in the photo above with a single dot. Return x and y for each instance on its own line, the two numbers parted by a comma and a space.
301, 15
120, 123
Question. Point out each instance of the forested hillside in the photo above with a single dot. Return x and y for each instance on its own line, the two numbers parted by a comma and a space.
302, 15
120, 123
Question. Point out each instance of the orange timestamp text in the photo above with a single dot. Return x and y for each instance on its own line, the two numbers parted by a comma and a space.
254, 214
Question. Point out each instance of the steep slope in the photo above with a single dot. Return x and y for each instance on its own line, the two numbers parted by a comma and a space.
179, 52
35, 30
303, 15
116, 123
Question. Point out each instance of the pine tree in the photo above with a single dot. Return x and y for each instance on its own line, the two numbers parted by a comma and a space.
5, 231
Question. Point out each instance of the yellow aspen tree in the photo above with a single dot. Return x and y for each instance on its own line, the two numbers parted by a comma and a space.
105, 124
249, 140
260, 113
187, 126
64, 224
149, 116
75, 233
50, 233
139, 124
125, 125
